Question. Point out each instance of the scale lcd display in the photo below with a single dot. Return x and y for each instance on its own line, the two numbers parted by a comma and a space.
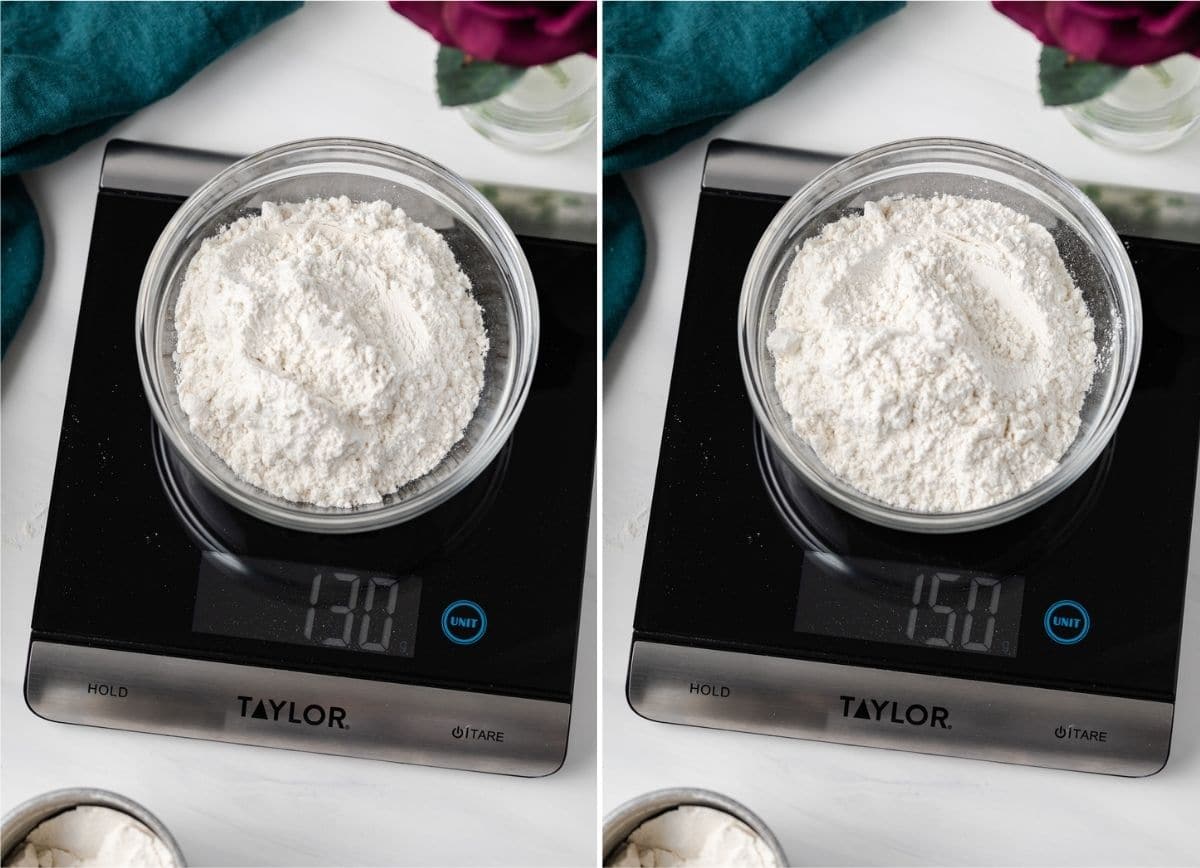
332, 607
906, 604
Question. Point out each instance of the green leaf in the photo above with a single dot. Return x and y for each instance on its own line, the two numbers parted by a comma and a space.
462, 80
1066, 80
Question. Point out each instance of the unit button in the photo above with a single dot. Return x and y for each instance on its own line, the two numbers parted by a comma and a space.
1067, 622
464, 622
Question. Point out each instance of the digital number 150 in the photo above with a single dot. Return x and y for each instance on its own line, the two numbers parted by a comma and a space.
980, 587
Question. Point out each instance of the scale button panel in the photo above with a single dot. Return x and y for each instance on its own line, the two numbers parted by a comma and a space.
464, 622
899, 710
330, 714
1067, 622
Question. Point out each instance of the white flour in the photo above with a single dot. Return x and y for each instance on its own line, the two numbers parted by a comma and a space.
694, 835
328, 351
935, 353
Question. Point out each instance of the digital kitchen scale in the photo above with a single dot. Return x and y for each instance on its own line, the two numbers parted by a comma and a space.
1052, 640
448, 640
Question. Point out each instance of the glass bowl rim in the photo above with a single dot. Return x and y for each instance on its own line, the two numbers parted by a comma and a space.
802, 206
502, 244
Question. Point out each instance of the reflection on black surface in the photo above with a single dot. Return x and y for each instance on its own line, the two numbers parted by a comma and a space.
216, 526
1010, 548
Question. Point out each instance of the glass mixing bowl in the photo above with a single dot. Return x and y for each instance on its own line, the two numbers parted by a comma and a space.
487, 252
1089, 246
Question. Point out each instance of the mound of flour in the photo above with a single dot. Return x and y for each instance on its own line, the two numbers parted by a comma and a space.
328, 351
934, 352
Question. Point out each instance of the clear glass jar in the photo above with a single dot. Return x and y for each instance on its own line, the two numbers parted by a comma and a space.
549, 107
1152, 107
1089, 246
486, 250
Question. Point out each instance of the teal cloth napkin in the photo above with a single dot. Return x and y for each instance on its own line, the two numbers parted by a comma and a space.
70, 72
673, 71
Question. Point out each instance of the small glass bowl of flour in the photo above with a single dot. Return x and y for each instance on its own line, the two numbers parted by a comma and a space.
688, 826
939, 335
337, 335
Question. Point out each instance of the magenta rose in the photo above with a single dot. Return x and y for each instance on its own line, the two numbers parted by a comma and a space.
516, 34
1118, 34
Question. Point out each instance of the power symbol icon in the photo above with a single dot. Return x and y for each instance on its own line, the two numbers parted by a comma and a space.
457, 732
1060, 732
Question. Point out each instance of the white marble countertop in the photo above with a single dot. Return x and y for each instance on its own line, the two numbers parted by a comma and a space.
940, 69
329, 69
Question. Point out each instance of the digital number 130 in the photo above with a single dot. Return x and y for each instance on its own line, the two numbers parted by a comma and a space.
350, 609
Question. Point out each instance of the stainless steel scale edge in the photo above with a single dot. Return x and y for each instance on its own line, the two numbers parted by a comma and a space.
304, 711
930, 714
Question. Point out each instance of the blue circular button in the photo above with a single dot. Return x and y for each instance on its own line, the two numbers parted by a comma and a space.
464, 622
1067, 622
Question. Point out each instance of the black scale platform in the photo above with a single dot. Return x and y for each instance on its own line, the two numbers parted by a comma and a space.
161, 608
763, 608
